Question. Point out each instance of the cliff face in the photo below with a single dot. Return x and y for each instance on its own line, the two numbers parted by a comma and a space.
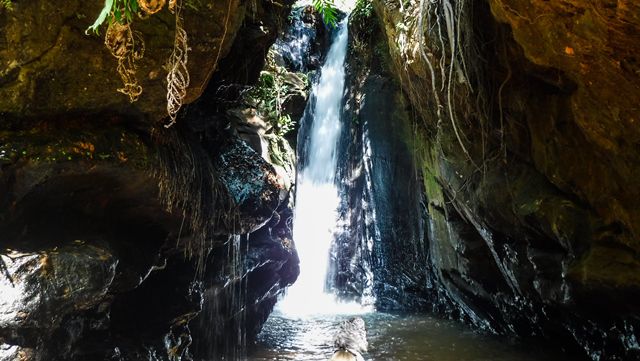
49, 66
118, 238
525, 136
381, 229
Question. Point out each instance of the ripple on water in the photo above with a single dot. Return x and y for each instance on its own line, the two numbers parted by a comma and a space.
396, 338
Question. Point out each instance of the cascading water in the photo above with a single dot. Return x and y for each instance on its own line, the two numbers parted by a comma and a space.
317, 193
344, 185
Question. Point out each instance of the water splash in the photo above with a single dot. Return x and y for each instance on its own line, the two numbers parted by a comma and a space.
317, 193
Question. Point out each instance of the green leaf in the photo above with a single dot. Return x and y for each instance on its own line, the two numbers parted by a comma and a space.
7, 4
117, 15
106, 9
328, 11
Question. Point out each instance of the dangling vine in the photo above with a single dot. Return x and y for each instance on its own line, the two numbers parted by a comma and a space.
178, 75
439, 33
127, 46
121, 42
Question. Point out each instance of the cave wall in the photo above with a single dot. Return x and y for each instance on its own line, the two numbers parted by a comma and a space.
375, 152
120, 239
49, 65
526, 144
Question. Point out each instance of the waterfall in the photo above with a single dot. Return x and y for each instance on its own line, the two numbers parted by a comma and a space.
317, 192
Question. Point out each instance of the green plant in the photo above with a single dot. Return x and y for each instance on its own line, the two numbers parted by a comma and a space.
7, 4
284, 125
121, 11
275, 87
362, 11
328, 10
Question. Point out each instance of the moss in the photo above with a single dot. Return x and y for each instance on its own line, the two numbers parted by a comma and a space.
426, 153
275, 87
111, 145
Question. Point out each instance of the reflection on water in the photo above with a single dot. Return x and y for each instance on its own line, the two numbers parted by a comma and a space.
397, 338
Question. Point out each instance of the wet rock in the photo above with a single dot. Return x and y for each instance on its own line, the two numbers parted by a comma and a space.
14, 353
515, 230
252, 128
381, 230
78, 162
252, 185
241, 285
304, 42
39, 289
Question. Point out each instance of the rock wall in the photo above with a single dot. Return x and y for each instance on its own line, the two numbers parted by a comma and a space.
119, 239
526, 146
376, 235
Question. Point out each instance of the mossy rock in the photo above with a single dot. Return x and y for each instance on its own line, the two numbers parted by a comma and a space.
49, 66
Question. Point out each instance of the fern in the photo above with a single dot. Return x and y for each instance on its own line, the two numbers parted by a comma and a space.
106, 9
328, 10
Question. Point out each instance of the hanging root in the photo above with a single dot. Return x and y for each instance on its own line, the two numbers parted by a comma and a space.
178, 75
443, 33
127, 46
189, 185
151, 6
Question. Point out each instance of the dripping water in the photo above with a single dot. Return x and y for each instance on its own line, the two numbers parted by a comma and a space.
224, 313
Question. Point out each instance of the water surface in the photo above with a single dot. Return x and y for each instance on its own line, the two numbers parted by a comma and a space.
397, 338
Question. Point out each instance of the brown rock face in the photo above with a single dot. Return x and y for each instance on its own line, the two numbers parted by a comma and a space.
592, 149
49, 66
527, 137
108, 221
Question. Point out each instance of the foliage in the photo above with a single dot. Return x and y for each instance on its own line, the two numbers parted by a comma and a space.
7, 4
284, 124
269, 95
121, 11
328, 11
362, 11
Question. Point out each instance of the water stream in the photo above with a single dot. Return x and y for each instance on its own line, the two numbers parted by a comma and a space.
317, 193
